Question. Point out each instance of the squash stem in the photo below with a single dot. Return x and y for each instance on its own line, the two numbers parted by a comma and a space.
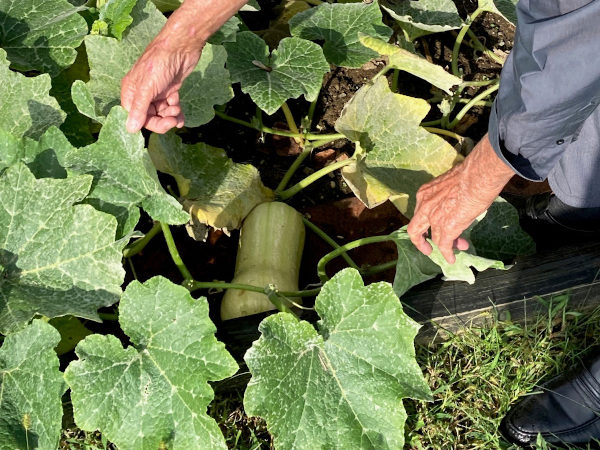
321, 266
395, 76
187, 276
290, 172
459, 39
137, 246
289, 118
378, 268
196, 285
319, 232
472, 103
448, 133
477, 45
284, 195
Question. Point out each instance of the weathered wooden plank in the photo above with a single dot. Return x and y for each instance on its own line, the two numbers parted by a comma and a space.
455, 305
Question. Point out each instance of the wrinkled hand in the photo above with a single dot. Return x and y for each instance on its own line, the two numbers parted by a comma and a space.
450, 203
150, 91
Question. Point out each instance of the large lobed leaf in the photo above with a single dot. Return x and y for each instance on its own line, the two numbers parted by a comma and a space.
341, 387
41, 35
338, 25
214, 189
398, 155
31, 386
155, 392
506, 8
28, 109
110, 60
295, 68
419, 18
57, 257
399, 58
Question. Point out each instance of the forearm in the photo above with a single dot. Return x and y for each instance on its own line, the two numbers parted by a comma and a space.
190, 26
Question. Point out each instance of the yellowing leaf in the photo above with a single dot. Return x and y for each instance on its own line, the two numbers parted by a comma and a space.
396, 155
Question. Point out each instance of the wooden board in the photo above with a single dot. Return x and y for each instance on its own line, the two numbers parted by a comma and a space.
452, 306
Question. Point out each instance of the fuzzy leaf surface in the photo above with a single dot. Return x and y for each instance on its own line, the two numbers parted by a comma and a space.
57, 257
423, 17
156, 390
402, 59
124, 177
338, 26
397, 155
32, 109
32, 387
340, 387
295, 68
110, 60
214, 189
41, 35
506, 8
116, 14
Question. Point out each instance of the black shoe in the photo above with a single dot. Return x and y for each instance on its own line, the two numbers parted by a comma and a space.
566, 412
549, 210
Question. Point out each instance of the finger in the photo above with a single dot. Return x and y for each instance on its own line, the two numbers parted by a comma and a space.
180, 120
171, 111
127, 92
417, 229
160, 125
461, 244
445, 244
138, 114
173, 99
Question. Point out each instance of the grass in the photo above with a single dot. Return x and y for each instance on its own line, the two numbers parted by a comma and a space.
475, 376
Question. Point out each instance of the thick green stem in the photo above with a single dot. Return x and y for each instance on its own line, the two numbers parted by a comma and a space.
431, 123
378, 268
472, 103
284, 195
195, 285
137, 246
459, 39
395, 77
477, 45
466, 84
344, 248
383, 71
311, 113
448, 133
187, 276
315, 229
289, 118
292, 169
264, 129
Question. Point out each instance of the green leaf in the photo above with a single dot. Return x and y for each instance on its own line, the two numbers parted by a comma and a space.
419, 18
227, 32
32, 387
41, 35
506, 8
110, 60
279, 27
396, 155
341, 387
498, 235
338, 26
156, 390
413, 267
295, 68
214, 189
416, 65
71, 332
28, 108
117, 16
124, 177
57, 257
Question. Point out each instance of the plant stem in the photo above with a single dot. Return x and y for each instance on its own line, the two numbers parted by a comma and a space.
319, 232
383, 71
378, 268
292, 169
472, 103
431, 123
195, 285
395, 76
459, 39
109, 316
349, 246
311, 112
264, 129
284, 195
482, 48
289, 118
187, 276
466, 84
135, 247
448, 133
314, 2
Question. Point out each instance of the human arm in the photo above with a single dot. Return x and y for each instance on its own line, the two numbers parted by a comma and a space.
451, 202
150, 91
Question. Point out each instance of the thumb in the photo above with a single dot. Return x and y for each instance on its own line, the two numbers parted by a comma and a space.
138, 114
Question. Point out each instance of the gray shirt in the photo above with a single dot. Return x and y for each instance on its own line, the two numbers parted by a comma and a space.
549, 85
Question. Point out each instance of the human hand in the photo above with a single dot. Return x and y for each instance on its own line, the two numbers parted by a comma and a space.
451, 202
150, 91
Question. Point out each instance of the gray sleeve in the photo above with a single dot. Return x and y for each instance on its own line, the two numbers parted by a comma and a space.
549, 85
